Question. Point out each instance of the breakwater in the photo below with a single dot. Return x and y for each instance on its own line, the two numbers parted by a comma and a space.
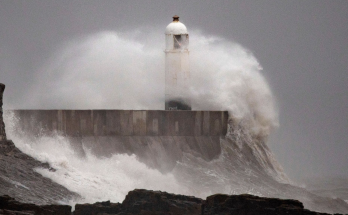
158, 138
76, 123
96, 167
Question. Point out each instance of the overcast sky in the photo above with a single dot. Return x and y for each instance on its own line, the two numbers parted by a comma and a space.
302, 46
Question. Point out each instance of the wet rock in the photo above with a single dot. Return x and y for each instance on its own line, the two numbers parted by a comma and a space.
9, 205
19, 179
97, 208
147, 202
249, 204
141, 201
2, 124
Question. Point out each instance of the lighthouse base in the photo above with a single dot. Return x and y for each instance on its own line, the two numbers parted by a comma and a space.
177, 105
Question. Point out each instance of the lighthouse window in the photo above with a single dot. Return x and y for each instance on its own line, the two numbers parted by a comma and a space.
177, 42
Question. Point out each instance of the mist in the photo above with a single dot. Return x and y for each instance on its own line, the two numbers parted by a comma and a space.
93, 178
125, 70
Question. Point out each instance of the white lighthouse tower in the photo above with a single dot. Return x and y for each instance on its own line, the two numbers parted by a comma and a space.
177, 68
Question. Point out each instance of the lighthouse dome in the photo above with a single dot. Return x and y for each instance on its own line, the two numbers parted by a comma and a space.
176, 27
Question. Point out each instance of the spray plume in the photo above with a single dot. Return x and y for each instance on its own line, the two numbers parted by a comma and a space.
111, 70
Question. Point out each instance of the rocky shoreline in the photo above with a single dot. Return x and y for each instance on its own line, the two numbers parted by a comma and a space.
18, 177
146, 202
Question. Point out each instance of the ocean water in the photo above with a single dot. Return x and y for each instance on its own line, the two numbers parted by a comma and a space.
96, 178
113, 70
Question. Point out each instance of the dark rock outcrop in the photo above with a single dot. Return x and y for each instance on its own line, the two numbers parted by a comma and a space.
141, 201
97, 208
19, 179
9, 205
249, 204
147, 202
155, 202
2, 124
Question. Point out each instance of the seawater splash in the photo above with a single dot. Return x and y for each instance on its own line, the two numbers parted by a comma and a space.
93, 178
226, 76
245, 165
111, 70
239, 168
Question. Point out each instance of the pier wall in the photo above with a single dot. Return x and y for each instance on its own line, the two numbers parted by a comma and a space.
158, 138
124, 122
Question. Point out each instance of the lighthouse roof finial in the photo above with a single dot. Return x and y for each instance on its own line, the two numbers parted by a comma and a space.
176, 18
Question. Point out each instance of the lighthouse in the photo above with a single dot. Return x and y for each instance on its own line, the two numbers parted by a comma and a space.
177, 67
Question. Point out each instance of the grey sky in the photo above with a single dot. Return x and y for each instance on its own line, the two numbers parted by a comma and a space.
302, 46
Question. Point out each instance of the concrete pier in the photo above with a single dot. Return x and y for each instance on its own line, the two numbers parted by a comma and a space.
158, 138
76, 123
